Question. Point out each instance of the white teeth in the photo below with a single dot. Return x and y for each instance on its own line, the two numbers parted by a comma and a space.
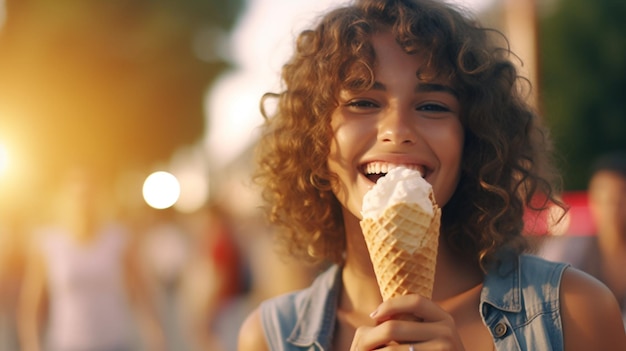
383, 167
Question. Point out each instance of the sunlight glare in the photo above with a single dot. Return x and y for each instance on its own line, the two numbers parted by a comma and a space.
4, 159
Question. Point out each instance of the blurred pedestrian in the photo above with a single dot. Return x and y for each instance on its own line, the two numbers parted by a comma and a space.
603, 253
607, 203
166, 251
82, 268
213, 277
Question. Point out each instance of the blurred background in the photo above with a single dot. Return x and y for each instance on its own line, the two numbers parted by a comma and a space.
160, 99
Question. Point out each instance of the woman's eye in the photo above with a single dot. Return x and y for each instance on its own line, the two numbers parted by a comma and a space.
361, 104
433, 108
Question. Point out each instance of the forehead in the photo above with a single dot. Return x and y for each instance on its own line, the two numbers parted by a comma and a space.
387, 50
385, 53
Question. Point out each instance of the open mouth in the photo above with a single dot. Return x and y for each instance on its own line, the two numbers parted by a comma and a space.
376, 170
375, 176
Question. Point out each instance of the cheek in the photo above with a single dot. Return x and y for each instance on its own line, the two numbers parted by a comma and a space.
449, 150
348, 137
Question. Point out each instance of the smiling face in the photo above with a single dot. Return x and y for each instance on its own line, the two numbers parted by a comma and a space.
401, 120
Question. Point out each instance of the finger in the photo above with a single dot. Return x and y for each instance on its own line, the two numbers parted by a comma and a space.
390, 334
409, 331
418, 306
382, 337
363, 340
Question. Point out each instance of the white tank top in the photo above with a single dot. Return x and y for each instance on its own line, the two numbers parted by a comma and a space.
89, 307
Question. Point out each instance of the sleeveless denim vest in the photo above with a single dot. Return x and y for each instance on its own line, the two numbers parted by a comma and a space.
519, 304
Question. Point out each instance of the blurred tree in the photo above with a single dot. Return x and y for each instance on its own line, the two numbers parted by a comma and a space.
112, 83
583, 51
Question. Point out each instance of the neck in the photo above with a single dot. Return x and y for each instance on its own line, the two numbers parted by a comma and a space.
454, 275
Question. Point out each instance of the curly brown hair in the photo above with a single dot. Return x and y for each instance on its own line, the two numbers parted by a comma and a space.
506, 158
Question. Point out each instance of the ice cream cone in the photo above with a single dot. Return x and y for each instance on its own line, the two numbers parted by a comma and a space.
403, 247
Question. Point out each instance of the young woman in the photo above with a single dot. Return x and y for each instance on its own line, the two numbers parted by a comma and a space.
382, 83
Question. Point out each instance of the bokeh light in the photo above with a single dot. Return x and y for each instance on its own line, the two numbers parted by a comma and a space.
161, 190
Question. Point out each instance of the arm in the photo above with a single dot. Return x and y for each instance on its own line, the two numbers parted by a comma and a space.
590, 313
251, 336
32, 294
198, 298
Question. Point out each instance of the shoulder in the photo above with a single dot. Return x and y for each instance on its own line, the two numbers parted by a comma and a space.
530, 260
251, 335
527, 285
528, 271
270, 323
590, 314
299, 314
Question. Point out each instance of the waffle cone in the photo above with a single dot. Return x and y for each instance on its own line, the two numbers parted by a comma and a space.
403, 248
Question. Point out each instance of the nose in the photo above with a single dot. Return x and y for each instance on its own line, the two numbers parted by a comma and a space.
396, 128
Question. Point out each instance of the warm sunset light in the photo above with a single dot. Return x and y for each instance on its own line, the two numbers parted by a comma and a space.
161, 190
4, 159
3, 13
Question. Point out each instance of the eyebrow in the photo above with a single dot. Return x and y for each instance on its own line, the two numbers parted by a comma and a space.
423, 88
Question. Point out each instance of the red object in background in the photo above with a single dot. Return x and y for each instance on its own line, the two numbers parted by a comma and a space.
577, 221
579, 216
227, 261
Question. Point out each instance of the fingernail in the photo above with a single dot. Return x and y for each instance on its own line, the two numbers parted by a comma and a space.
373, 314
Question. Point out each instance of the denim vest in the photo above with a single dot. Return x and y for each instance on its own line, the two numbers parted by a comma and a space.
519, 304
